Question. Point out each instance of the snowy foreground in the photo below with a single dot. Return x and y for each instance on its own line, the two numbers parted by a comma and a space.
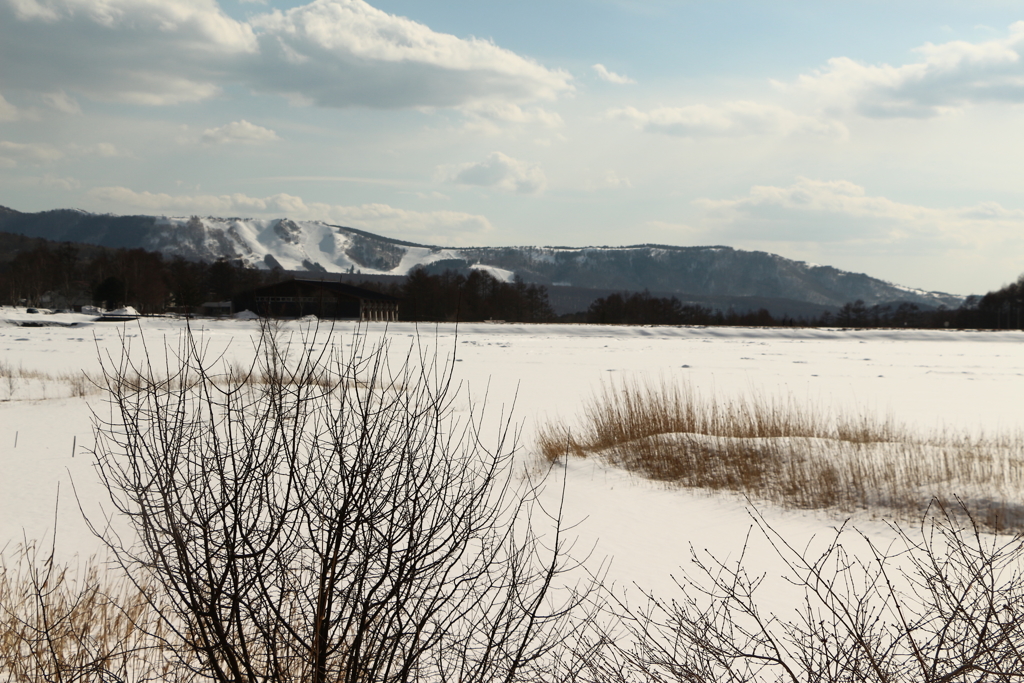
643, 532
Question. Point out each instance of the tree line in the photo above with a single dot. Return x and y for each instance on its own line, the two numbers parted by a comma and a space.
642, 308
1001, 309
64, 275
40, 273
473, 297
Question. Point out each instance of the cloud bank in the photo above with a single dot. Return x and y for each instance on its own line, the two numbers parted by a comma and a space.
733, 119
15, 153
332, 53
842, 211
949, 76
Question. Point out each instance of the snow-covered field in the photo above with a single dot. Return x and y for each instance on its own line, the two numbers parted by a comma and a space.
930, 380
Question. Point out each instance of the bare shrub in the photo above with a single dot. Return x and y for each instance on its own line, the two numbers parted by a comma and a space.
333, 521
80, 384
774, 450
942, 605
13, 377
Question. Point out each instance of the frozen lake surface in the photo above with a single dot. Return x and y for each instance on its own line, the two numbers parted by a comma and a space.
929, 380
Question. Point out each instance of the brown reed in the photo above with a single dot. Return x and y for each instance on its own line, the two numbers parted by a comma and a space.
772, 449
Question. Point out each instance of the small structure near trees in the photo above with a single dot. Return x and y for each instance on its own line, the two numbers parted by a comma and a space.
324, 299
217, 308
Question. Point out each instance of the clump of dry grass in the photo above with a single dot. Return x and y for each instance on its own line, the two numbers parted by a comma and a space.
13, 376
17, 381
71, 623
778, 451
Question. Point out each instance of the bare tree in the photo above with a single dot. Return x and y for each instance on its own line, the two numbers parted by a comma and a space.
946, 604
322, 515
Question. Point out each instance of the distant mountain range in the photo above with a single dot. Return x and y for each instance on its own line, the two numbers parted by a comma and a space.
696, 274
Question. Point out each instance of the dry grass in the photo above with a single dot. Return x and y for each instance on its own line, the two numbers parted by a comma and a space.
778, 451
17, 382
20, 383
231, 377
68, 623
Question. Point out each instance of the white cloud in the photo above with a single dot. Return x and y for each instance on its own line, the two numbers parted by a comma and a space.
949, 76
733, 119
33, 9
343, 52
239, 132
15, 153
62, 102
334, 53
437, 227
36, 154
499, 171
952, 248
841, 211
52, 182
100, 149
613, 179
151, 52
492, 118
8, 112
610, 76
607, 180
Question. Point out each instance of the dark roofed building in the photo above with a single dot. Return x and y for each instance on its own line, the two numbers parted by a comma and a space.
337, 300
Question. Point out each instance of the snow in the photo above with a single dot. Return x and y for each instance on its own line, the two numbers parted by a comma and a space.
124, 311
417, 256
293, 244
642, 531
499, 274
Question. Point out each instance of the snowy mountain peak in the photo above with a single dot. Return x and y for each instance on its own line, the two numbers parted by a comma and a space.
315, 246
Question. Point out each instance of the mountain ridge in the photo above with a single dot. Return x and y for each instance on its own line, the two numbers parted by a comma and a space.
320, 247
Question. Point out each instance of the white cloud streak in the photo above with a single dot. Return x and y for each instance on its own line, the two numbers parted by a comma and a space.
8, 112
38, 154
733, 119
492, 118
610, 76
333, 53
52, 182
100, 149
824, 211
62, 102
17, 153
949, 76
499, 171
239, 132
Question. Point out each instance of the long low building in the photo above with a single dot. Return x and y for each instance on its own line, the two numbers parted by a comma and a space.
324, 299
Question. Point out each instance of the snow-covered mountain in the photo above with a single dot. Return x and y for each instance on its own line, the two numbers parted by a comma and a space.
314, 246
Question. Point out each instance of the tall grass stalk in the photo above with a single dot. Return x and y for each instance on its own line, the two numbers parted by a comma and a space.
775, 450
77, 623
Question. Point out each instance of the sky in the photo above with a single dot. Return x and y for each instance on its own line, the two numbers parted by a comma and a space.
878, 137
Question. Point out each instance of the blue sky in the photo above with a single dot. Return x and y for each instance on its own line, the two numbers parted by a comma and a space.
879, 137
